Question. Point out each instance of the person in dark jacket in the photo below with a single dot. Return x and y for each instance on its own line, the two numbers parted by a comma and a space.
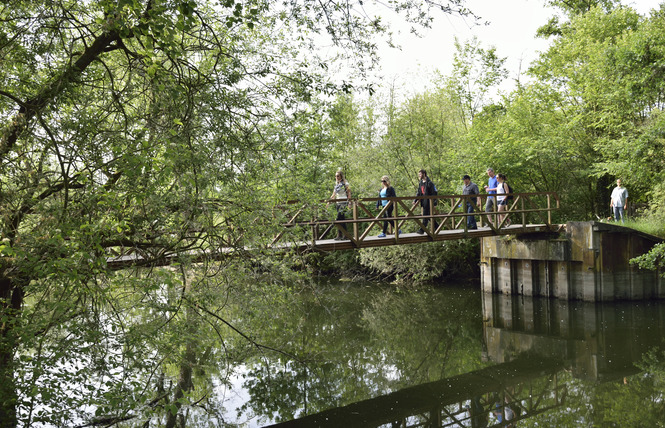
425, 188
387, 191
470, 188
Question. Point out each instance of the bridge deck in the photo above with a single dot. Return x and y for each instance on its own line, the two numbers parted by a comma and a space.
528, 212
416, 238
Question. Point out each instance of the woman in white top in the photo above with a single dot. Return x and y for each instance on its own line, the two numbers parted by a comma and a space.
501, 199
342, 193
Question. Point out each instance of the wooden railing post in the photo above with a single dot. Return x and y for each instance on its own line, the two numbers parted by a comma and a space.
395, 222
481, 209
432, 212
495, 207
315, 227
549, 209
355, 218
465, 208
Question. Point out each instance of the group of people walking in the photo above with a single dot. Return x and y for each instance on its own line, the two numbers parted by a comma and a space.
499, 194
497, 186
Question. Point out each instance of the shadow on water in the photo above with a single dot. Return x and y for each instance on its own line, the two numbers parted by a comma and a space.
538, 362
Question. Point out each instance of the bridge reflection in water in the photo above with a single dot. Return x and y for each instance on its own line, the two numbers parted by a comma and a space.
532, 341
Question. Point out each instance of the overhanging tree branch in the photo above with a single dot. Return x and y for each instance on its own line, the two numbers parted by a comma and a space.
31, 107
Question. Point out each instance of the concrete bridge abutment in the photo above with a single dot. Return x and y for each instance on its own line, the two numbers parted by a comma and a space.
590, 262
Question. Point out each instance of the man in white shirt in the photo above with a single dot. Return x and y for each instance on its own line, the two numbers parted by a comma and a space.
619, 201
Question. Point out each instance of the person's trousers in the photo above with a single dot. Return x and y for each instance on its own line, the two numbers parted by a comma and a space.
618, 214
427, 210
386, 214
341, 209
471, 219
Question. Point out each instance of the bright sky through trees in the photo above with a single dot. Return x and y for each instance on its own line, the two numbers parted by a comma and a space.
512, 26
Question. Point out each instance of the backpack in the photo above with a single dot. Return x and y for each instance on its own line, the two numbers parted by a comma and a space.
509, 190
435, 193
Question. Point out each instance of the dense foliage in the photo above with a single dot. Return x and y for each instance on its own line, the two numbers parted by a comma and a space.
161, 130
591, 112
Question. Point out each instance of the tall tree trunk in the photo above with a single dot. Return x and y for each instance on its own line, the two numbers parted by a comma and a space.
187, 362
11, 300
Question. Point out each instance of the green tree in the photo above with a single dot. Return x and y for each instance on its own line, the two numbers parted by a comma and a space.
138, 127
604, 70
529, 139
476, 70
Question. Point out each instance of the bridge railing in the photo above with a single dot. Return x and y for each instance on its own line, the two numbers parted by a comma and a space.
448, 212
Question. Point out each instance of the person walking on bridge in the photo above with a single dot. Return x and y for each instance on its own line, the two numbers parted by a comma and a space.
387, 191
490, 188
470, 188
619, 201
341, 193
425, 188
501, 198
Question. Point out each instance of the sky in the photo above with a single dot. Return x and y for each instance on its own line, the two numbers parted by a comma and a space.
512, 28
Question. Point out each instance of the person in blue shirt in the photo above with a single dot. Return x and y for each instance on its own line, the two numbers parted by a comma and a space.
387, 191
490, 188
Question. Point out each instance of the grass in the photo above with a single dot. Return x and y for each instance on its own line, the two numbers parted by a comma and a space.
651, 225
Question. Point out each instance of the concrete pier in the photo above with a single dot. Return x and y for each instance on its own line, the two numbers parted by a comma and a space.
590, 262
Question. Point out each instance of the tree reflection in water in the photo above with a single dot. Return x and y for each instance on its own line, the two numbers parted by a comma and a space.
355, 342
361, 355
359, 345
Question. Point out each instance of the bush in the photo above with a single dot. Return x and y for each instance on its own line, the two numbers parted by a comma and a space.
423, 262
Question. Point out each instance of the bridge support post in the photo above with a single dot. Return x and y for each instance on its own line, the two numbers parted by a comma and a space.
590, 262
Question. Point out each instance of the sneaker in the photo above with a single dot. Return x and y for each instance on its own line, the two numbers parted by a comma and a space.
420, 231
381, 235
399, 232
339, 238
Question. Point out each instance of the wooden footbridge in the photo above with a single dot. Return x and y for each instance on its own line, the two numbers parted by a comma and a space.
313, 227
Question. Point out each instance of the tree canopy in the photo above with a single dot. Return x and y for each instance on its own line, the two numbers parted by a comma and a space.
168, 130
152, 129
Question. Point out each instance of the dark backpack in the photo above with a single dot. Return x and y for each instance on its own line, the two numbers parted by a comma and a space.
509, 190
435, 193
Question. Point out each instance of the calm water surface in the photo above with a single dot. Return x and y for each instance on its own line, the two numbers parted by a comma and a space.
370, 355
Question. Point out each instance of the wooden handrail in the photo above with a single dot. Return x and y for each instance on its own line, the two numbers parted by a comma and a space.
448, 210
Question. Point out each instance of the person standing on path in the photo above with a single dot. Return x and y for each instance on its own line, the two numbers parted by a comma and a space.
425, 188
387, 191
470, 188
619, 201
341, 193
490, 188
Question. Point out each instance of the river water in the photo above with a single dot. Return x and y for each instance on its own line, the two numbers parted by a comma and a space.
374, 355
